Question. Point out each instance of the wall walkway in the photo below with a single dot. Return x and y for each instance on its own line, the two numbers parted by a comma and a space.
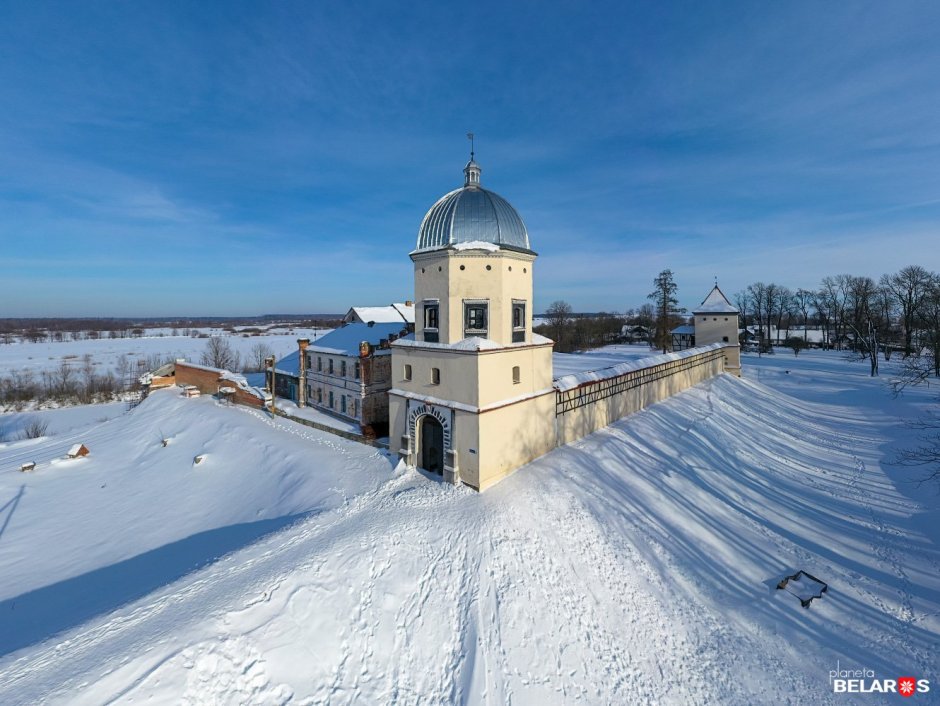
587, 402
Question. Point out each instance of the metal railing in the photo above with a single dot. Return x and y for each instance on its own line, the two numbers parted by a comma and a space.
592, 392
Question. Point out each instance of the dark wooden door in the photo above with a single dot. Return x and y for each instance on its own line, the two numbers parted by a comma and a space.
432, 445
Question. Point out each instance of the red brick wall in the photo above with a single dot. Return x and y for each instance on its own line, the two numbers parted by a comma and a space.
209, 381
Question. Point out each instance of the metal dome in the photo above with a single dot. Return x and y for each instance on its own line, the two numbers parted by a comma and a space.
472, 214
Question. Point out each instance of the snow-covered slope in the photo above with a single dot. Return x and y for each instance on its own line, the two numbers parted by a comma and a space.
636, 566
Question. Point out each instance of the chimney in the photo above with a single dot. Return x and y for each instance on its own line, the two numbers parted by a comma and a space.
302, 344
409, 303
370, 324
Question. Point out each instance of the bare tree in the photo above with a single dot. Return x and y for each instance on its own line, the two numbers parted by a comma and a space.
929, 319
786, 310
756, 295
909, 287
219, 353
256, 357
803, 300
559, 314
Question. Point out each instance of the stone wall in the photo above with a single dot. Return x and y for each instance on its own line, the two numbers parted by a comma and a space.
583, 407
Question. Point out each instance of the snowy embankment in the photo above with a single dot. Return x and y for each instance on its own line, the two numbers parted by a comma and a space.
636, 566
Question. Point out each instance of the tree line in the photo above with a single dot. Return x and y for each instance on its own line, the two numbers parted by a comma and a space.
898, 313
78, 380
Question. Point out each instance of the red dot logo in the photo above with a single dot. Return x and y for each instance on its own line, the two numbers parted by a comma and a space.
906, 686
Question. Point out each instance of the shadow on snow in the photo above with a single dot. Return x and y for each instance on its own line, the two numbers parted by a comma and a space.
44, 612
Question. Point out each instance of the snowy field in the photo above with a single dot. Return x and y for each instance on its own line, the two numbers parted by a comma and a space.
637, 565
105, 352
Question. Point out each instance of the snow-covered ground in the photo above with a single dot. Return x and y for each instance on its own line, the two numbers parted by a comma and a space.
105, 352
571, 363
637, 565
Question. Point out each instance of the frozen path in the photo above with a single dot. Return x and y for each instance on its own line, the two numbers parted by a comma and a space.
636, 566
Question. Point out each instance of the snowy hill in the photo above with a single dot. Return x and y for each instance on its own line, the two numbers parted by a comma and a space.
636, 566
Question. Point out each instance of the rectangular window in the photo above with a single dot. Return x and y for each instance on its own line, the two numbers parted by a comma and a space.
319, 364
435, 376
307, 361
331, 370
475, 314
357, 370
432, 321
331, 399
342, 368
355, 408
319, 395
407, 372
342, 404
518, 321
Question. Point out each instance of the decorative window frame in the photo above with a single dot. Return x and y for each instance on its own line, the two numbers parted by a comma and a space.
469, 304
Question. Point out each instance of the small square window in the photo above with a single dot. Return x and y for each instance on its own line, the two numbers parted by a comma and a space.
435, 376
407, 372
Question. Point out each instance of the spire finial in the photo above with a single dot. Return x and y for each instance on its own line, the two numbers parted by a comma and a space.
472, 170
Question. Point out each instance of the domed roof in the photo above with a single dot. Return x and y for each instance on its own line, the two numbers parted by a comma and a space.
472, 214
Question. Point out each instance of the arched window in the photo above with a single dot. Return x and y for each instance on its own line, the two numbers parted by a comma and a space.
516, 377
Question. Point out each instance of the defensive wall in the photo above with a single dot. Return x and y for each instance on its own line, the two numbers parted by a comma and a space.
586, 402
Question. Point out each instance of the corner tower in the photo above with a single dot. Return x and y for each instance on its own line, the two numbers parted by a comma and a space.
472, 395
716, 321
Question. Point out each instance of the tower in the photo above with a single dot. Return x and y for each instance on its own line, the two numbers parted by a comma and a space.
716, 321
472, 395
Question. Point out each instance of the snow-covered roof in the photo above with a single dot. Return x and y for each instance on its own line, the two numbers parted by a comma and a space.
344, 340
716, 303
397, 312
237, 378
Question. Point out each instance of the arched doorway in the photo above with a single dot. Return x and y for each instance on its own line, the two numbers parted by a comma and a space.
431, 445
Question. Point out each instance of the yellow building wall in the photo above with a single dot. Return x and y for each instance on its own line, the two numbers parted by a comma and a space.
513, 435
438, 276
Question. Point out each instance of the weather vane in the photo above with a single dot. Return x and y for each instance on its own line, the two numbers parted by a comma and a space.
470, 137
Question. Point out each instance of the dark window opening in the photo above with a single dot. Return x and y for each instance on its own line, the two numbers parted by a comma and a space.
431, 322
475, 319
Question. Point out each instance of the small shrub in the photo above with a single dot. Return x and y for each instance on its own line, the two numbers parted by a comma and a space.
795, 343
35, 429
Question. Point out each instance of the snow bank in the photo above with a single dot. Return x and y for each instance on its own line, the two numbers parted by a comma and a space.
569, 382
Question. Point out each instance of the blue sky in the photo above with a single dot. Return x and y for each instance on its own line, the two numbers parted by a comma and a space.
181, 158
